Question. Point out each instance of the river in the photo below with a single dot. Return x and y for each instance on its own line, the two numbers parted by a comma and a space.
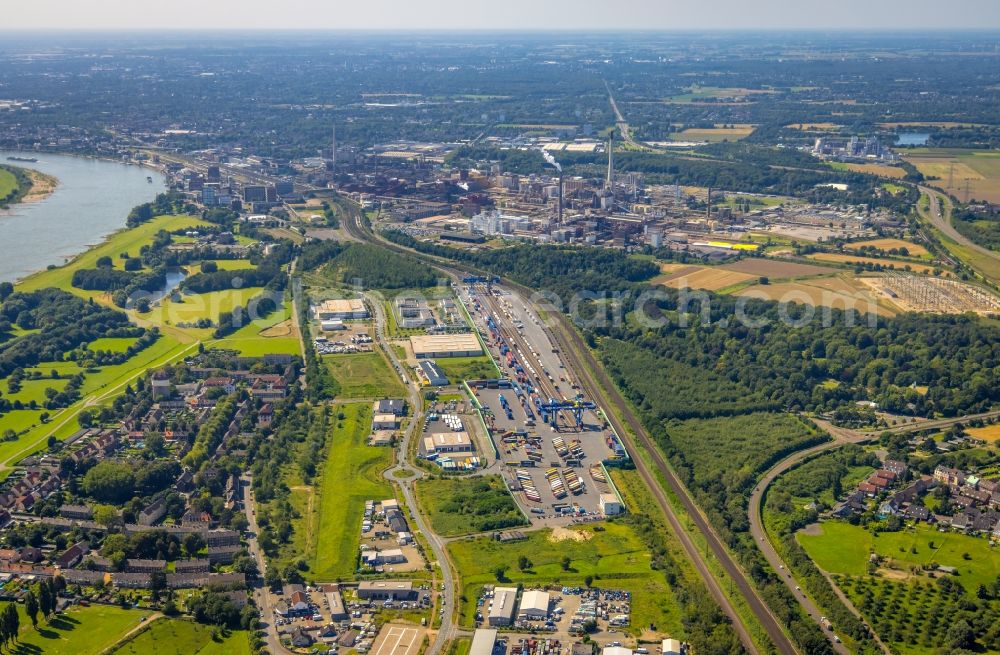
91, 201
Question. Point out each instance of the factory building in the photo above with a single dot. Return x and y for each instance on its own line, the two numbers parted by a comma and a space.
433, 346
504, 604
387, 590
671, 647
342, 308
435, 376
610, 505
534, 605
385, 422
483, 642
448, 442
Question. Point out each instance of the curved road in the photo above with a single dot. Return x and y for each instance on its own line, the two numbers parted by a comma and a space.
841, 436
942, 221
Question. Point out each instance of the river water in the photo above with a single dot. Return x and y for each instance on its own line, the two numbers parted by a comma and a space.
92, 200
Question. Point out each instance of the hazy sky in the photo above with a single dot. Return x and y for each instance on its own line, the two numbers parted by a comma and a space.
498, 14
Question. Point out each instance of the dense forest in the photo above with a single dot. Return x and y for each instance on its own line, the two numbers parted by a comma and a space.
370, 266
979, 226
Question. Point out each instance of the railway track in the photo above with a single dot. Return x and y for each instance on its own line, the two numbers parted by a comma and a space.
602, 390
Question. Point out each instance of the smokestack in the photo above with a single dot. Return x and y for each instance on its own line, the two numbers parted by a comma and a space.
333, 150
708, 205
560, 197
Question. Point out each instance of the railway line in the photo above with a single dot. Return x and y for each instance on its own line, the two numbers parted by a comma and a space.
597, 385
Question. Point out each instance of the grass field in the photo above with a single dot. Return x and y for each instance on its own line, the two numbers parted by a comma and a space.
715, 134
609, 550
854, 259
35, 390
956, 168
273, 335
78, 631
467, 368
915, 249
990, 433
844, 548
351, 474
115, 345
8, 183
364, 375
196, 306
228, 264
122, 241
182, 637
880, 170
465, 505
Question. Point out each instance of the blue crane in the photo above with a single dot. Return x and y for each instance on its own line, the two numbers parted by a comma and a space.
550, 410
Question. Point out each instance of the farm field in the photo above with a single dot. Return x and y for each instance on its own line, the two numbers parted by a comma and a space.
78, 631
351, 474
945, 124
610, 550
834, 292
696, 93
776, 269
842, 548
881, 170
990, 433
915, 249
182, 637
715, 134
126, 240
856, 259
364, 375
981, 168
705, 277
464, 505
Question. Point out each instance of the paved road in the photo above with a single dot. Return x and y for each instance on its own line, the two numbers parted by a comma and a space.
942, 221
404, 474
260, 593
840, 436
581, 361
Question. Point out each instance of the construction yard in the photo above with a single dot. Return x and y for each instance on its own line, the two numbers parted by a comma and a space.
918, 293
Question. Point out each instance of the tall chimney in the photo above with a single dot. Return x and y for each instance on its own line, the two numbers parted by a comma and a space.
708, 205
560, 197
611, 164
333, 150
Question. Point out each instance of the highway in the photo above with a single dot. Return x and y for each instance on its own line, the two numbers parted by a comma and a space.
942, 221
581, 361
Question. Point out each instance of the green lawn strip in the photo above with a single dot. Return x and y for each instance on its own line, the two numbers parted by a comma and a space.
125, 240
466, 505
364, 375
249, 341
35, 390
844, 549
78, 631
112, 344
327, 537
191, 308
8, 183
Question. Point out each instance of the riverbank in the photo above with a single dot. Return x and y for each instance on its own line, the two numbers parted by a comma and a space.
42, 185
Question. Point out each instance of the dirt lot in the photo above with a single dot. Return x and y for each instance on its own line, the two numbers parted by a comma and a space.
776, 269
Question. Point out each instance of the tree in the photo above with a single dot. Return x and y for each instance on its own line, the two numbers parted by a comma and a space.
523, 563
6, 288
106, 515
961, 635
565, 563
45, 599
31, 607
500, 573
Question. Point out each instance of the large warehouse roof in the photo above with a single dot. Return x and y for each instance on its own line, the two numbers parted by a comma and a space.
442, 345
483, 642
